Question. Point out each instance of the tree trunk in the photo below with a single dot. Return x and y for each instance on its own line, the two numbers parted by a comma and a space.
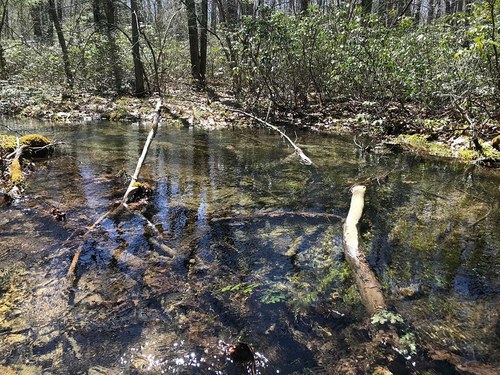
424, 12
36, 19
366, 6
109, 9
3, 63
96, 12
193, 40
213, 16
62, 43
304, 4
203, 39
136, 51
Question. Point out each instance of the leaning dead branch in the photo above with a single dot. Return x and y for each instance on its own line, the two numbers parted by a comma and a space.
368, 286
152, 133
303, 158
122, 204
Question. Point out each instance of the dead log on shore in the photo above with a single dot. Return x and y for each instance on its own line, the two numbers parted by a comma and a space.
368, 286
298, 151
122, 204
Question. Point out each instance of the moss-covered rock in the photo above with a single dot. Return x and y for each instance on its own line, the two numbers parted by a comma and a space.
35, 140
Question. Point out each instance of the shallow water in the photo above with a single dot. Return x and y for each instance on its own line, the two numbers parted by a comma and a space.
259, 254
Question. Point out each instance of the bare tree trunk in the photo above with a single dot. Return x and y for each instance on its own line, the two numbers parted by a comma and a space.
203, 38
36, 19
62, 43
366, 6
424, 12
136, 51
213, 16
194, 50
109, 9
3, 63
96, 13
304, 4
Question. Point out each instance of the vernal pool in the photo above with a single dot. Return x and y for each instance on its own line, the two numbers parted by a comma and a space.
258, 238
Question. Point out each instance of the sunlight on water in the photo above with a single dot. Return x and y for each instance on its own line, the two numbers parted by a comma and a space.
259, 256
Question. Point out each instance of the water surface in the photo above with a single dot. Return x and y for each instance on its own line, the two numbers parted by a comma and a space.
259, 254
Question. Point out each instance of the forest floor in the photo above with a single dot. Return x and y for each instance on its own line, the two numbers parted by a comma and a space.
379, 128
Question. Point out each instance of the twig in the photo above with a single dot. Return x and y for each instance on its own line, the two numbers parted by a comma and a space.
380, 178
11, 130
34, 148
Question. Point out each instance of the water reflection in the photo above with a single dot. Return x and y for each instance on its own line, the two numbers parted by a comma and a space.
251, 264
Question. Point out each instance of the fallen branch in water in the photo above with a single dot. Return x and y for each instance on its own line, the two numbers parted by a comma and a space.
90, 229
378, 178
156, 119
15, 169
28, 144
36, 149
123, 202
368, 286
303, 158
264, 214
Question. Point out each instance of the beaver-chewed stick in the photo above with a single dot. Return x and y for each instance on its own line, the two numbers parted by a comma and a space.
368, 285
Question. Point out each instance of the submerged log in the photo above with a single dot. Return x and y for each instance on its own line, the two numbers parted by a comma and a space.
368, 286
277, 214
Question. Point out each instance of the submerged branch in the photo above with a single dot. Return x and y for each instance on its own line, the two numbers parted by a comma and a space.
303, 157
264, 214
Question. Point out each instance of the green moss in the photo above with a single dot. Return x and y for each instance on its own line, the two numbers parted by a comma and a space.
35, 140
16, 173
418, 143
119, 113
468, 155
7, 143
